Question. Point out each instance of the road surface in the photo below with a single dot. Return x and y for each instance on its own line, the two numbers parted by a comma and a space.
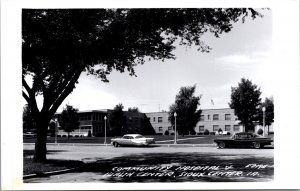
161, 164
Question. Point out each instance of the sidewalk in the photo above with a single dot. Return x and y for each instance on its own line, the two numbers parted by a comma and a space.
158, 145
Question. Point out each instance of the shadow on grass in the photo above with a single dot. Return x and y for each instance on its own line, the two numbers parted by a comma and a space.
31, 167
31, 152
116, 169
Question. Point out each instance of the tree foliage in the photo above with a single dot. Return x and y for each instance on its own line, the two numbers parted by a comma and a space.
28, 121
59, 44
69, 119
245, 100
269, 112
117, 120
186, 107
134, 109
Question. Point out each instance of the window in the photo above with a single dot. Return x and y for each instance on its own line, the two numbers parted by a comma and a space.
169, 128
159, 119
160, 129
216, 117
227, 117
208, 117
227, 127
201, 117
236, 128
215, 127
154, 119
201, 128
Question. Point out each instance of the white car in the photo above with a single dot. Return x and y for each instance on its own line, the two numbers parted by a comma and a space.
132, 140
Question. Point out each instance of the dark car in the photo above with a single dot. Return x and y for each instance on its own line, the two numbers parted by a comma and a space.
244, 139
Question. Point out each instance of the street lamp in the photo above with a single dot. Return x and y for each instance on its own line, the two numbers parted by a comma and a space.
55, 131
105, 118
264, 116
175, 133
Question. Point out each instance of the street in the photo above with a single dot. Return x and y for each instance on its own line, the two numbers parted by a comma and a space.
161, 164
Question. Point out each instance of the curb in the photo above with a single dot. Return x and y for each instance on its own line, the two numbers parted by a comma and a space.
45, 174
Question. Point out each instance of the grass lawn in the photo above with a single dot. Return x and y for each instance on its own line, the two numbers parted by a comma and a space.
30, 167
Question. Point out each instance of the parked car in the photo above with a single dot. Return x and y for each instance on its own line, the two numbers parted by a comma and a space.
132, 140
244, 139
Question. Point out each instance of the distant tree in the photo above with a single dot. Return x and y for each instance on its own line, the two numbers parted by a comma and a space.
167, 132
186, 104
220, 131
245, 100
134, 109
28, 120
260, 131
269, 112
52, 127
69, 119
117, 120
206, 132
58, 45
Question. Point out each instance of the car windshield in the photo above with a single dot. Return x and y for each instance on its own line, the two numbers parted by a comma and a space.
139, 136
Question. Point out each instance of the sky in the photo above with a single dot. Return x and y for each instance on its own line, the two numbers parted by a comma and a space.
244, 52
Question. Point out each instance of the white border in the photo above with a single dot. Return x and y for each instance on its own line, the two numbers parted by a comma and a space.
286, 68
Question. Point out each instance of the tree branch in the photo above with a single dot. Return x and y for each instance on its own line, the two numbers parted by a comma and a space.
26, 97
69, 88
24, 83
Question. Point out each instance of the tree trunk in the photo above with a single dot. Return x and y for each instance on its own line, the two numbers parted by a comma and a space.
41, 139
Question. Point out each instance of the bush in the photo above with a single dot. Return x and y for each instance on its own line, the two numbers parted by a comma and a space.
206, 132
200, 133
159, 134
228, 133
260, 131
167, 132
212, 133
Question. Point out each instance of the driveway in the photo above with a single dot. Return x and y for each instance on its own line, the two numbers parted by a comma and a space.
161, 164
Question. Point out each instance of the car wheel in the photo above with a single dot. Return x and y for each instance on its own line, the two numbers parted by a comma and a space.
221, 145
257, 145
116, 144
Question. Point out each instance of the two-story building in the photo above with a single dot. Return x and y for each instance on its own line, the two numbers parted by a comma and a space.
160, 123
215, 120
92, 122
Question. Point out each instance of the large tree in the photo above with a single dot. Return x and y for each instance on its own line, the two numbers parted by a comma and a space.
269, 112
58, 45
246, 101
117, 120
69, 119
186, 107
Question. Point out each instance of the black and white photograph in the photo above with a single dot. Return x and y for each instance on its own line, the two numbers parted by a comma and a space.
143, 95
